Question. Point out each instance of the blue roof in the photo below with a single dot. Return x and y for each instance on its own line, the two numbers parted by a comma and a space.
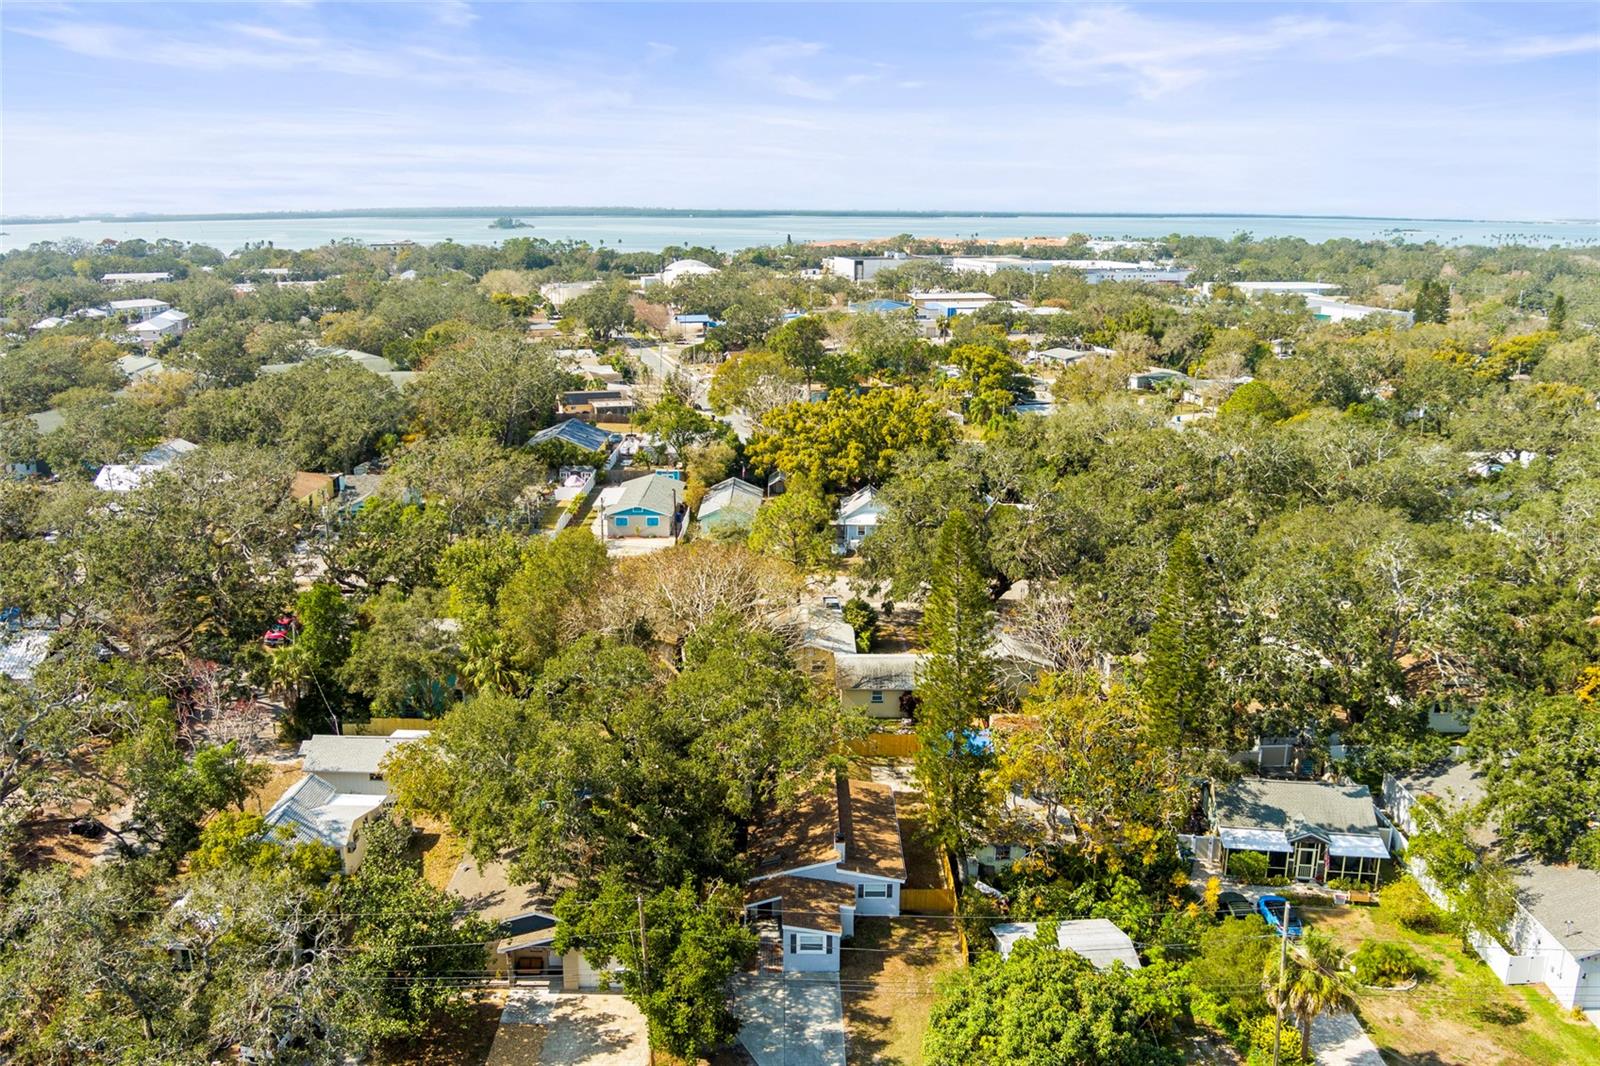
695, 320
572, 431
879, 305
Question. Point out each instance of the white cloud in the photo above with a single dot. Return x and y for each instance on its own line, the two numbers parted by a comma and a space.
455, 13
1152, 56
234, 46
1148, 55
774, 65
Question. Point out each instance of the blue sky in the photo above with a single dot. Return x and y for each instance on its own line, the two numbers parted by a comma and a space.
1438, 110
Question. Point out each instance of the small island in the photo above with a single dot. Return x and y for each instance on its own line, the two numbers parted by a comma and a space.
509, 223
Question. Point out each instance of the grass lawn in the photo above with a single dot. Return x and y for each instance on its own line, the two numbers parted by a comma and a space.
888, 986
1463, 1015
439, 848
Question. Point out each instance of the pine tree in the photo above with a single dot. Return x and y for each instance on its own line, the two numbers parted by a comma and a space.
957, 684
1433, 302
1180, 683
1558, 313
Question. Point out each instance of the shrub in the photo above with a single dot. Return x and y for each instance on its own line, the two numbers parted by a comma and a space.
1586, 852
1259, 1037
1379, 962
863, 619
1412, 908
1227, 969
1248, 866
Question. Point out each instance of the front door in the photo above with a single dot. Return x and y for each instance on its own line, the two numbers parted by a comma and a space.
1305, 860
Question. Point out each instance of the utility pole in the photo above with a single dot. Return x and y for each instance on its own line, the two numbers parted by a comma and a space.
1283, 965
644, 967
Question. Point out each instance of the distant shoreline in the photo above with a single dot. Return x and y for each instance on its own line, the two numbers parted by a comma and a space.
685, 212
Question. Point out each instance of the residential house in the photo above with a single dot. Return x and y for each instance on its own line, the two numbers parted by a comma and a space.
137, 310
125, 477
822, 861
1554, 939
646, 507
856, 518
116, 280
137, 368
316, 812
729, 505
817, 636
1307, 830
525, 926
577, 433
879, 684
353, 763
1096, 939
342, 788
169, 323
597, 405
47, 323
1154, 377
313, 489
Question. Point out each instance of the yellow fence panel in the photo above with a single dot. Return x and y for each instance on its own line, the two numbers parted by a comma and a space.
886, 745
382, 727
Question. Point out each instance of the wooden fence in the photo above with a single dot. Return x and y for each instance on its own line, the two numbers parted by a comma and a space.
941, 900
382, 727
890, 745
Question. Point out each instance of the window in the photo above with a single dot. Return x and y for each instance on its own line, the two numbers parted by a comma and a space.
622, 521
1002, 851
877, 697
652, 521
809, 944
874, 891
374, 777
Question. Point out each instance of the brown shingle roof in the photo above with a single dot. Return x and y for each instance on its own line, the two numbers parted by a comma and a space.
872, 830
860, 814
805, 902
801, 834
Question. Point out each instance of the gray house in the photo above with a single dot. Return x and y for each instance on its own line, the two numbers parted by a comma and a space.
1308, 830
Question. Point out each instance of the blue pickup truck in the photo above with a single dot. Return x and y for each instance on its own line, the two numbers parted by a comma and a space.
1272, 908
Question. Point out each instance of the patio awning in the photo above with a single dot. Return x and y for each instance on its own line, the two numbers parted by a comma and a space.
1254, 839
1353, 846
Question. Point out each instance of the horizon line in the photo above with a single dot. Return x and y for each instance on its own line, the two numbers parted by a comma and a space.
488, 210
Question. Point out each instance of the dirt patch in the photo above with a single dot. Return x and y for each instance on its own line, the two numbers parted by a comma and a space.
280, 775
439, 848
1461, 1015
887, 977
923, 860
465, 1040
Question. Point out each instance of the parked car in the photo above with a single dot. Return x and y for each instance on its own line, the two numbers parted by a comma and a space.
1234, 905
1273, 908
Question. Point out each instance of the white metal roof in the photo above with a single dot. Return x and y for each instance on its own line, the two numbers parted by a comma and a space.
1356, 846
1254, 839
1096, 939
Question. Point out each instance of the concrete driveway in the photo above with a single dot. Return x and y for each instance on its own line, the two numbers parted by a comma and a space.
579, 1029
790, 1019
1339, 1040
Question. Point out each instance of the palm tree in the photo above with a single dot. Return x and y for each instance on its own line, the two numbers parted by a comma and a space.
1312, 982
